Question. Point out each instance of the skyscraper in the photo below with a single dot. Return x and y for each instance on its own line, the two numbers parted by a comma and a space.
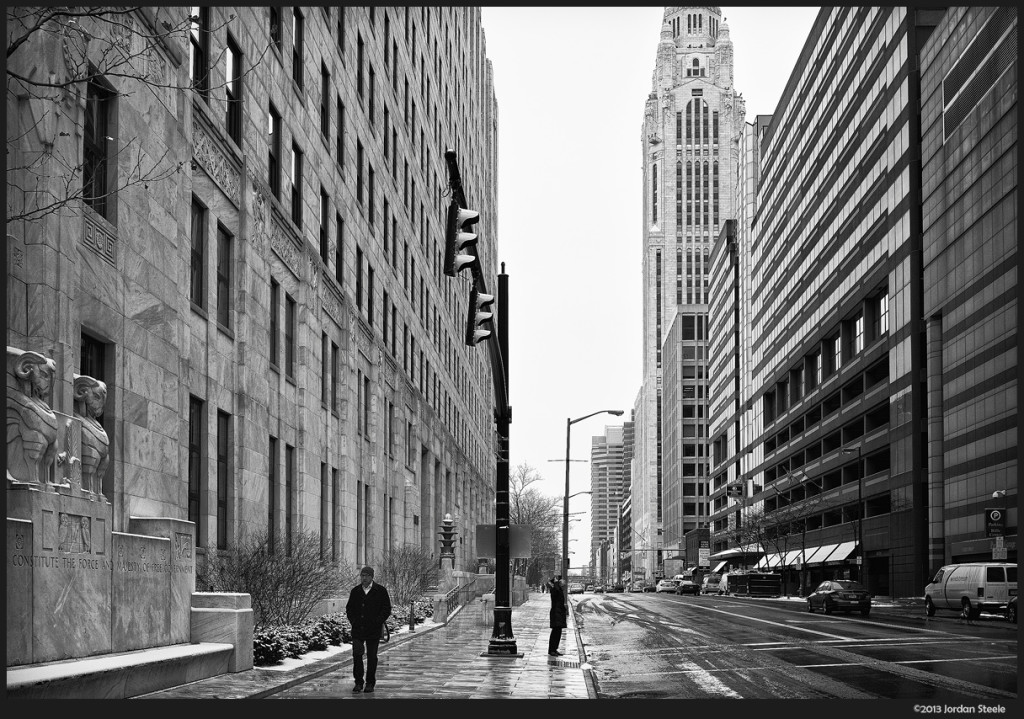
692, 119
607, 479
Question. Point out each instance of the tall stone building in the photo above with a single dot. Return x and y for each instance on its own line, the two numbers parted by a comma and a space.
692, 119
251, 262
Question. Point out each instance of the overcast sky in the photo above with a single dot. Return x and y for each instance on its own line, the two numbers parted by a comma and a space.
571, 85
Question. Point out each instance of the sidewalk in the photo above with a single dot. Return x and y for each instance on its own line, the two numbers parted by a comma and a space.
439, 661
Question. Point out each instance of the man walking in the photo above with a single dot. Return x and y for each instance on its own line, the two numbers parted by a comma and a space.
369, 606
559, 616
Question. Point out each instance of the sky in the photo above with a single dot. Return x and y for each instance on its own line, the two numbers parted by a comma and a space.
571, 83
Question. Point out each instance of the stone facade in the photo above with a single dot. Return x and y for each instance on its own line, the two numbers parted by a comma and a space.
381, 416
692, 120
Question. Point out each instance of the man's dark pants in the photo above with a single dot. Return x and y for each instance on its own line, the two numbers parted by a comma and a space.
556, 637
371, 659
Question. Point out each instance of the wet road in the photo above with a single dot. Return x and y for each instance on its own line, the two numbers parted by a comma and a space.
668, 646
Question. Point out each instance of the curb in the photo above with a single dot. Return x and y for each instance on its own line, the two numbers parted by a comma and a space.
588, 672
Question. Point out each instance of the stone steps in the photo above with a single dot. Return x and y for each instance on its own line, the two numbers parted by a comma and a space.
121, 675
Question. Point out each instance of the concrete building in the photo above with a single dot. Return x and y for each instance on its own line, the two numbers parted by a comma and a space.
607, 483
692, 120
684, 431
882, 374
266, 306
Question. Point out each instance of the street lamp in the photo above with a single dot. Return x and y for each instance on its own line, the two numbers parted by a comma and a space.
860, 518
565, 501
802, 477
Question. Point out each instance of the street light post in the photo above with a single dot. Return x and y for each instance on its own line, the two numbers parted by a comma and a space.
569, 422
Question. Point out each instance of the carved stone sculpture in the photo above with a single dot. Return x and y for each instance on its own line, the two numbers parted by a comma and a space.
90, 399
31, 424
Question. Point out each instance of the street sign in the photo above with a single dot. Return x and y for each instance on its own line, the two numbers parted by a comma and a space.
995, 522
998, 553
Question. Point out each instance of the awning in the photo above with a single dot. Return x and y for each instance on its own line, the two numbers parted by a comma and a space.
792, 558
737, 552
718, 567
818, 554
768, 561
841, 552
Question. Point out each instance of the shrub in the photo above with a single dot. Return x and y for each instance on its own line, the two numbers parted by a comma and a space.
337, 628
285, 588
267, 647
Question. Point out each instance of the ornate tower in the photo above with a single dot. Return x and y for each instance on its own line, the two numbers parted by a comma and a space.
689, 142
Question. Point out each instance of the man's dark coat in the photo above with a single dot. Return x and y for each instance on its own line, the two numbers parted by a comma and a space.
367, 612
558, 614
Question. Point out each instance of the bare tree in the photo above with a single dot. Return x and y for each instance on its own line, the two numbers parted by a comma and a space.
542, 514
408, 571
285, 587
53, 55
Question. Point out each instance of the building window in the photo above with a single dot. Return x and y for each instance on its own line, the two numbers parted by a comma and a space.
198, 37
372, 104
366, 406
325, 511
296, 185
275, 28
274, 151
297, 22
289, 496
339, 258
325, 104
233, 91
334, 378
272, 462
196, 276
837, 352
359, 278
369, 295
359, 66
858, 333
325, 225
325, 375
275, 329
654, 193
196, 474
289, 336
224, 246
359, 172
369, 193
223, 473
881, 315
336, 503
96, 166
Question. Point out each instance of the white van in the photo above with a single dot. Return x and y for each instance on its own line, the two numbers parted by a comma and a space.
971, 588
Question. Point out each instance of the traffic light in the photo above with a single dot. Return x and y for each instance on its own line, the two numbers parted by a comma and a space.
456, 239
478, 314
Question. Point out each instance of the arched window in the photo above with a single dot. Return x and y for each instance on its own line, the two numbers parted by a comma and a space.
706, 189
707, 113
654, 193
679, 196
714, 196
689, 194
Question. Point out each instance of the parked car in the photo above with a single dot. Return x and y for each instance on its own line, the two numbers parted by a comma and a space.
665, 585
648, 587
588, 588
843, 594
710, 584
685, 586
617, 588
972, 587
598, 588
1011, 609
575, 588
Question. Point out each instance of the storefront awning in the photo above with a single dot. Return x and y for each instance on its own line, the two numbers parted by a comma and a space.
718, 567
815, 555
792, 558
841, 553
737, 552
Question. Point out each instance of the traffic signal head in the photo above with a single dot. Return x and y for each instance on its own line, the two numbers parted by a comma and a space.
478, 314
456, 239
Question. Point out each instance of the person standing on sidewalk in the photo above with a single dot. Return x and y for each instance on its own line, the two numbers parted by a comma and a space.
368, 607
559, 616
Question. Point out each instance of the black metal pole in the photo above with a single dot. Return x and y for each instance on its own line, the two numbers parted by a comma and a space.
503, 642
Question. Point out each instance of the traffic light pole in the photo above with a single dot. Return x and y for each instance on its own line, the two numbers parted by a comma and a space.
503, 642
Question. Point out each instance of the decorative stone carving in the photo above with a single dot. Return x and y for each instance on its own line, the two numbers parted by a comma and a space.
260, 217
90, 399
31, 424
215, 163
286, 251
314, 272
99, 239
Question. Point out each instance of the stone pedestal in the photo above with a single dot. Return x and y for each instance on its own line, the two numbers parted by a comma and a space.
181, 567
140, 586
19, 591
224, 617
70, 563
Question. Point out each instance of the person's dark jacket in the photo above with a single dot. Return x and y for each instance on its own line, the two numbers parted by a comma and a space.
367, 612
558, 615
